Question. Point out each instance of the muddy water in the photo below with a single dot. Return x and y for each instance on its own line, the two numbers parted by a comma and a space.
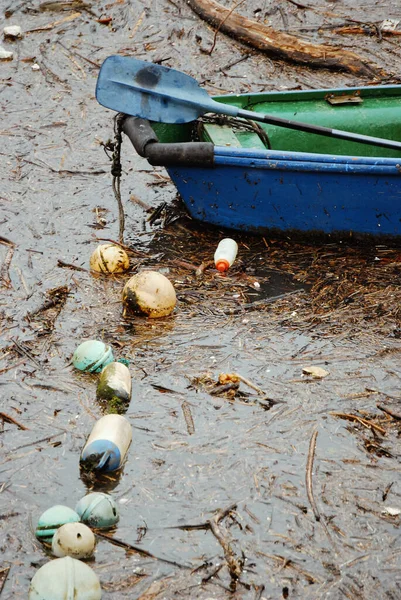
55, 183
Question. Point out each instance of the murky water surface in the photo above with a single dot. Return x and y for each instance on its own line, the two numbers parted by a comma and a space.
244, 454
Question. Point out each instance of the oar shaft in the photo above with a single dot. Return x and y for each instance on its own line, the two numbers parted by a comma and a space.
319, 130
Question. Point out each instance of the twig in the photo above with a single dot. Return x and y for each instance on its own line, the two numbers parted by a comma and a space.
55, 23
265, 397
201, 269
386, 491
219, 389
58, 296
140, 203
299, 5
234, 62
95, 64
137, 24
155, 214
250, 384
45, 439
5, 369
308, 476
21, 350
3, 577
265, 301
10, 419
62, 264
222, 23
63, 171
6, 241
127, 248
259, 589
4, 271
24, 283
141, 551
233, 564
389, 411
364, 422
188, 417
212, 574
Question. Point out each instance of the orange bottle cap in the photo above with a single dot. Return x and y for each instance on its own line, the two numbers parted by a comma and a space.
222, 265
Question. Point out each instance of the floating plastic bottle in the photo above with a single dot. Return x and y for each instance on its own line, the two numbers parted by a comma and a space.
107, 445
75, 540
52, 519
98, 510
92, 356
109, 258
65, 579
225, 255
149, 293
115, 386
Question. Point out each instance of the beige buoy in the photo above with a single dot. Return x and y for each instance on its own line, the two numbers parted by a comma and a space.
75, 540
149, 293
109, 258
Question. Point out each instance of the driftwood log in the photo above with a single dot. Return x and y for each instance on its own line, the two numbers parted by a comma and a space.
279, 44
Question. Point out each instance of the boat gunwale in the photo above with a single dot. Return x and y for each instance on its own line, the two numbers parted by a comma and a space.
305, 161
374, 91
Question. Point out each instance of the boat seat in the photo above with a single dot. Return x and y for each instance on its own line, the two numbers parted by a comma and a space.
224, 135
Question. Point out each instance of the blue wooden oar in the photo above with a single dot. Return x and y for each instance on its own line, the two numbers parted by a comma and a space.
158, 93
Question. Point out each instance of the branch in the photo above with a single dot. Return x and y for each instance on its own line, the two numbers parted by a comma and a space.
278, 44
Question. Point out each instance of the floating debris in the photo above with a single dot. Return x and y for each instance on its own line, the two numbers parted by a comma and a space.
149, 293
57, 579
315, 372
393, 512
109, 258
92, 356
115, 387
5, 54
107, 445
75, 540
98, 510
52, 519
12, 32
225, 255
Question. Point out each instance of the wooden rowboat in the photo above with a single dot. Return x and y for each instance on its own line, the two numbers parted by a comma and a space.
257, 177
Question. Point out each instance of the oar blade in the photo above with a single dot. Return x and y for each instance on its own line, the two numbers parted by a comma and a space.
150, 91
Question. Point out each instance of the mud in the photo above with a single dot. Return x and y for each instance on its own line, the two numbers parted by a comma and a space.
244, 452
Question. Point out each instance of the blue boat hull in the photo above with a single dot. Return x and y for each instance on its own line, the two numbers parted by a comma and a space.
261, 190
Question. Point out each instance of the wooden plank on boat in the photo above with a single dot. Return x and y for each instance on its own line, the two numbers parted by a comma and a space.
220, 135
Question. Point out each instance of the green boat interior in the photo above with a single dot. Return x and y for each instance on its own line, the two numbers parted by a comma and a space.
374, 111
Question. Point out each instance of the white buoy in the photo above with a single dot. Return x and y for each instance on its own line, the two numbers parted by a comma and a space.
149, 293
75, 540
65, 579
109, 258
